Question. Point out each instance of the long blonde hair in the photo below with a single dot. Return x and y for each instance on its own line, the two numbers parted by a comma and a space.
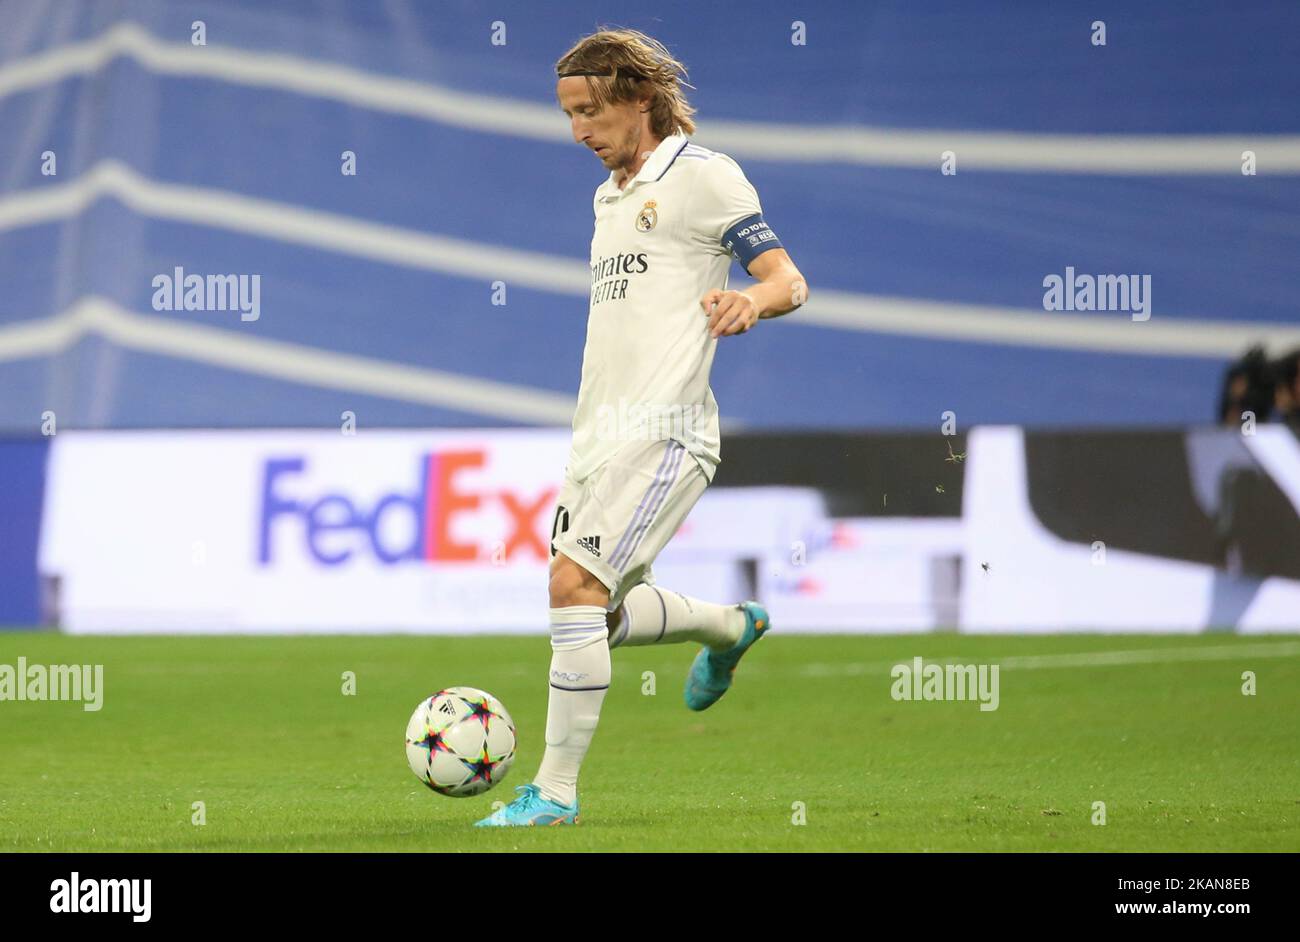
619, 63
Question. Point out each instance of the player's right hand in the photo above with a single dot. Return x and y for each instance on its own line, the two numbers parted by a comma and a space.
730, 312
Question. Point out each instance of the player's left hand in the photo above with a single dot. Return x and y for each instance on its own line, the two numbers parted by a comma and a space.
730, 312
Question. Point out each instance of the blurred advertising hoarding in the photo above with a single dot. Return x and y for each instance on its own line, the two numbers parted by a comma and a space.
448, 531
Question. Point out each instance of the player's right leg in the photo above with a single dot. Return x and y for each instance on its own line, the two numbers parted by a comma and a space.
579, 676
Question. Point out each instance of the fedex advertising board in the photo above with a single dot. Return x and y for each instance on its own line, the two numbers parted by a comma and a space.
300, 531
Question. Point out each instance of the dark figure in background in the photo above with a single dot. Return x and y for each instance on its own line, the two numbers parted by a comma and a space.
1248, 386
1257, 524
1286, 401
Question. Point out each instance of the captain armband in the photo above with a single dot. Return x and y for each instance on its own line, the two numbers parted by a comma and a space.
750, 238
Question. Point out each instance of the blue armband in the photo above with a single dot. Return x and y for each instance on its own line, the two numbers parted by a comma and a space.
749, 238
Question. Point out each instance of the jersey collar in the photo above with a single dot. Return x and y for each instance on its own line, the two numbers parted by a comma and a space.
653, 169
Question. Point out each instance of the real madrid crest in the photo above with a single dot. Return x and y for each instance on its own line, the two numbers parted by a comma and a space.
647, 218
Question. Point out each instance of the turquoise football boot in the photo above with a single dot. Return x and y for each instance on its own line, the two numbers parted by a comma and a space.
710, 675
530, 809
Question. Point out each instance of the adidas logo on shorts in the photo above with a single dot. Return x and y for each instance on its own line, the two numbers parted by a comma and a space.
591, 544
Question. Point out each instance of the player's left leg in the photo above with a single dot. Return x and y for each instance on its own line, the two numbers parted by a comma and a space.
651, 614
645, 613
654, 615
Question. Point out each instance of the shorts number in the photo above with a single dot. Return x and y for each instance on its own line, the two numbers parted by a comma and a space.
560, 525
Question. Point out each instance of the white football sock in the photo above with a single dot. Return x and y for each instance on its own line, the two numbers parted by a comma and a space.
651, 615
580, 674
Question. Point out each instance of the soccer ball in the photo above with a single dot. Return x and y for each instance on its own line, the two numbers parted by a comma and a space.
460, 742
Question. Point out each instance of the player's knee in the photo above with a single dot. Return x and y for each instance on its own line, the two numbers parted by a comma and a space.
572, 585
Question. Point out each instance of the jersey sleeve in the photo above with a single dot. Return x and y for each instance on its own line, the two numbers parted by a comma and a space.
726, 217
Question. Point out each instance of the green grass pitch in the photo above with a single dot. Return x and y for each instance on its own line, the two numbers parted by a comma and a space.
258, 729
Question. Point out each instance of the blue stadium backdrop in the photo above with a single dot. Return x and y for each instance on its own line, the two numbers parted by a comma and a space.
128, 152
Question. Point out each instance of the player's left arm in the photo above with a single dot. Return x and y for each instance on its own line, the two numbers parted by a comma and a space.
779, 289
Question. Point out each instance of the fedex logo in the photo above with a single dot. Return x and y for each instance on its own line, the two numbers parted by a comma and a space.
335, 527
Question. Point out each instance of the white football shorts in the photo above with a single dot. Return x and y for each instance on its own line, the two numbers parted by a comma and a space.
614, 523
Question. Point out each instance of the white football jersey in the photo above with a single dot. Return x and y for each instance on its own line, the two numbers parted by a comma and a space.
660, 244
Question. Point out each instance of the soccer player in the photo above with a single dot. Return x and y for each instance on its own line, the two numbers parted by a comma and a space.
669, 219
